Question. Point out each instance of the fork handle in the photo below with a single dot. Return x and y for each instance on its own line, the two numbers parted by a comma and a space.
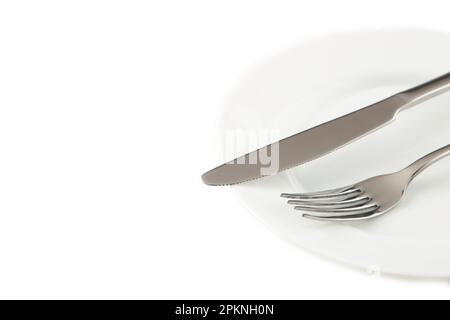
426, 91
417, 167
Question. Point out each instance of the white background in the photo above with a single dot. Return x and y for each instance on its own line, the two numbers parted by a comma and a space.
108, 117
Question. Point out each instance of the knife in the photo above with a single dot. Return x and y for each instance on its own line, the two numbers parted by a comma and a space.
322, 139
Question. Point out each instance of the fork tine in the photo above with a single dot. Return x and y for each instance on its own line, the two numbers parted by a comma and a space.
342, 218
327, 212
338, 196
307, 205
317, 193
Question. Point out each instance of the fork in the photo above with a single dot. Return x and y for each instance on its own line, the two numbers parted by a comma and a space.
363, 200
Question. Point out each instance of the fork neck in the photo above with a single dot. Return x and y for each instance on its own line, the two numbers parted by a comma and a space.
420, 165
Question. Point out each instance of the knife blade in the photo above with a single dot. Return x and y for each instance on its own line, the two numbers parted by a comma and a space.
316, 142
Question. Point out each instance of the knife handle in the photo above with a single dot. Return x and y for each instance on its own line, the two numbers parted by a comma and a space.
427, 90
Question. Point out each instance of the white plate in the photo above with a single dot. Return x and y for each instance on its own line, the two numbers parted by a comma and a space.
330, 76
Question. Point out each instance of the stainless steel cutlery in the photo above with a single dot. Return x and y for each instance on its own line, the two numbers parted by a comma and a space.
325, 138
363, 200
